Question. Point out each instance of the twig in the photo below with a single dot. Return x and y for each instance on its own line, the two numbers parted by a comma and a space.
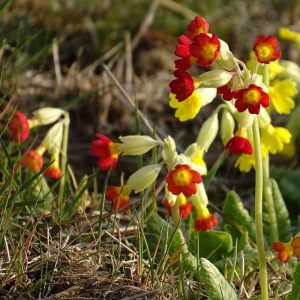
57, 68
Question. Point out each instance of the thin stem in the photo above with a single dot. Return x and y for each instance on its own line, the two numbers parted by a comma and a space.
269, 198
258, 212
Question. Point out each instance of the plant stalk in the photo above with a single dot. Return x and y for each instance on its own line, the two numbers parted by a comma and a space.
258, 212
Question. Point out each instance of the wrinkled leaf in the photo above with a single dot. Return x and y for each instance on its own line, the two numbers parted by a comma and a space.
212, 244
235, 211
215, 284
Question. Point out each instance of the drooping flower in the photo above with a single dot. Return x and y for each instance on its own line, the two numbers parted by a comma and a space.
185, 207
137, 144
239, 143
19, 127
251, 98
107, 152
226, 92
286, 250
119, 195
183, 180
197, 26
265, 48
281, 93
274, 138
32, 160
184, 85
189, 108
205, 49
54, 171
204, 219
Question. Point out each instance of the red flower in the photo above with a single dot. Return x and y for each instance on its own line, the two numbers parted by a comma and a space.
19, 126
107, 152
205, 49
184, 206
32, 161
239, 143
265, 49
53, 172
286, 250
197, 26
183, 51
183, 180
204, 220
251, 98
226, 92
183, 86
119, 195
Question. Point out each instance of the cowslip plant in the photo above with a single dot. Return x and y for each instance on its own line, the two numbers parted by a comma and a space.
248, 99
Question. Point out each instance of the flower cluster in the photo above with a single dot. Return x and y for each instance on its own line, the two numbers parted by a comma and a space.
286, 250
19, 126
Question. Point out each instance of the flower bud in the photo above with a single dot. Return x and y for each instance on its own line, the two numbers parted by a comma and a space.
227, 126
143, 178
137, 144
46, 115
208, 132
215, 78
169, 153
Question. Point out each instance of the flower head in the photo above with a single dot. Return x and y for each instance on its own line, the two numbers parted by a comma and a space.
274, 138
184, 206
265, 48
205, 49
119, 195
19, 127
183, 86
107, 152
239, 143
32, 161
286, 250
183, 51
197, 26
183, 180
251, 98
281, 93
204, 220
226, 92
54, 171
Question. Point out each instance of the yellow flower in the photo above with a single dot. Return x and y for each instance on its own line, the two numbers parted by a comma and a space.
281, 93
189, 108
289, 35
289, 150
275, 69
245, 162
274, 138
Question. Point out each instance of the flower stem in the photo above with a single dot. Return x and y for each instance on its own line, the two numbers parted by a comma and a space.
269, 198
258, 212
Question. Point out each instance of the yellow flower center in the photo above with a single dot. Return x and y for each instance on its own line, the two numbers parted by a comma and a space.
264, 51
203, 212
252, 96
209, 51
182, 177
181, 200
114, 149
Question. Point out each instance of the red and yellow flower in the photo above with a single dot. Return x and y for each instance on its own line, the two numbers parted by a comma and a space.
107, 152
119, 195
205, 49
54, 171
239, 143
197, 26
19, 127
251, 98
265, 48
183, 180
183, 86
204, 220
185, 207
286, 250
226, 91
32, 160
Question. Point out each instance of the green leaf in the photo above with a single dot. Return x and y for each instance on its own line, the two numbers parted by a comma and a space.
212, 244
163, 233
215, 284
295, 293
235, 211
282, 216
